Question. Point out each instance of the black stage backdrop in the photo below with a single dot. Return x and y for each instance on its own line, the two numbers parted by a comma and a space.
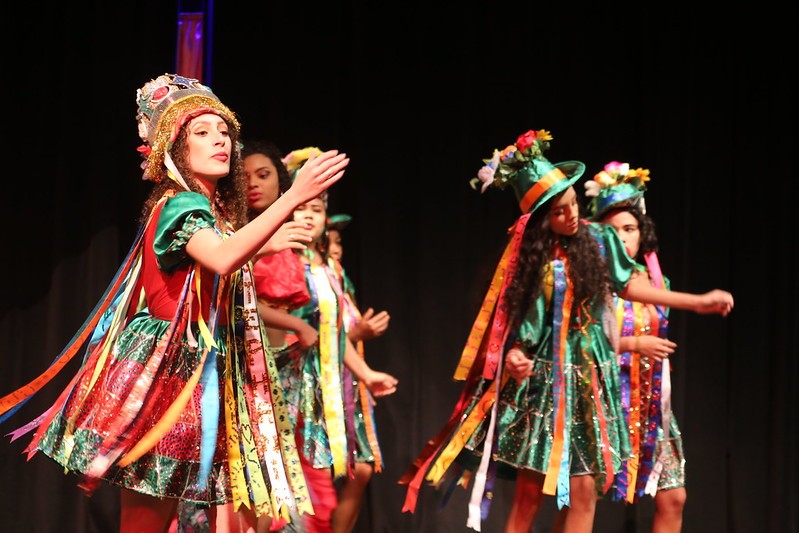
417, 94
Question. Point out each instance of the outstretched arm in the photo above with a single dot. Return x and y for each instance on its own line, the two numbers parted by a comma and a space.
716, 301
225, 256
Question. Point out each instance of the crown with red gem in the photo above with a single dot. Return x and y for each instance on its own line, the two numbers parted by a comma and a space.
165, 104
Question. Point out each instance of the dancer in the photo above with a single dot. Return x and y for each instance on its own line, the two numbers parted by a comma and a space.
657, 464
175, 387
557, 425
360, 327
279, 277
330, 435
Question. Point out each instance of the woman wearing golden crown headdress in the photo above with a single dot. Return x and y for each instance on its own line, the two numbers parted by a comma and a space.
556, 426
176, 398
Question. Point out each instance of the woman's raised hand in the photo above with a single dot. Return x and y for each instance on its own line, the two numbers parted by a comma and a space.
318, 174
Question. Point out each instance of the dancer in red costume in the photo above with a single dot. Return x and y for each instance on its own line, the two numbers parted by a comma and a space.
331, 435
175, 383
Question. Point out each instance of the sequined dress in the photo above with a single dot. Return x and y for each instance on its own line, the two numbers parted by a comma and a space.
331, 433
564, 420
356, 393
175, 385
657, 461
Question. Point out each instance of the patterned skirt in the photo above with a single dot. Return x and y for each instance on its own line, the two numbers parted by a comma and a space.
93, 422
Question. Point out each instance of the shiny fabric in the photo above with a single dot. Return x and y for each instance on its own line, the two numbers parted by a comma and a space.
525, 425
133, 377
280, 280
316, 431
641, 402
524, 429
367, 446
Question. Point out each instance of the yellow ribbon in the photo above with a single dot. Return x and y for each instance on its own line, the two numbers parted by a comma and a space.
330, 369
458, 440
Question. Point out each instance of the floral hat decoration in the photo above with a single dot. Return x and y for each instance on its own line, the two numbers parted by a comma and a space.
616, 186
338, 222
165, 104
295, 159
523, 166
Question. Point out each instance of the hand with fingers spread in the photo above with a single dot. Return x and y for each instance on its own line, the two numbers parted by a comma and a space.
370, 325
317, 174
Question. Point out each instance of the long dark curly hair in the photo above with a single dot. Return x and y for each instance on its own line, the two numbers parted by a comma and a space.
587, 266
230, 200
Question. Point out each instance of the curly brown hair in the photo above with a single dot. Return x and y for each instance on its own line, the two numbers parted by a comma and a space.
230, 200
587, 266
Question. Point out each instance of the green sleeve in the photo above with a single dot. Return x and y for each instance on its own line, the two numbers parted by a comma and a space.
182, 216
620, 265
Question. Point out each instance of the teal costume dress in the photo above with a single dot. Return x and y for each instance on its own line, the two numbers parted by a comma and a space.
175, 386
562, 421
357, 396
329, 428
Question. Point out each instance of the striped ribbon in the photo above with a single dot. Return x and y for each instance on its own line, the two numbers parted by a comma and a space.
656, 275
439, 453
330, 369
502, 277
556, 481
271, 417
364, 398
11, 402
174, 411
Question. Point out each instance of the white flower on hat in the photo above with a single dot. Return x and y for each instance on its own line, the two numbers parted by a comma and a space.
592, 188
486, 174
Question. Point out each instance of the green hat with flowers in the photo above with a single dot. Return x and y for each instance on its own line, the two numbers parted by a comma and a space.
523, 166
338, 222
616, 186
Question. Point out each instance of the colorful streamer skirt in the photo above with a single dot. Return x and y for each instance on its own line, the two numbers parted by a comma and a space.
76, 434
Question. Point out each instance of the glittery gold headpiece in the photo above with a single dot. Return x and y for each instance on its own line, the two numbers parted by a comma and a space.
165, 104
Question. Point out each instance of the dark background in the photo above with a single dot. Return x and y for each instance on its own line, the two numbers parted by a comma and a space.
417, 95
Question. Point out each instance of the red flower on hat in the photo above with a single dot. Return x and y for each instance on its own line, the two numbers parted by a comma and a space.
525, 140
